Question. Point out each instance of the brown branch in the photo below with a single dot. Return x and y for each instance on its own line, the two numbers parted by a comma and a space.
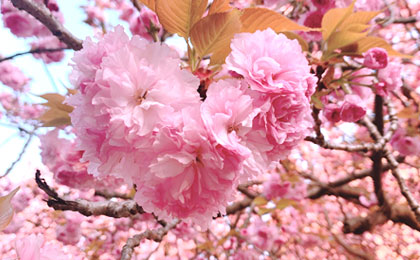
398, 214
238, 205
111, 194
136, 4
43, 14
414, 205
351, 250
31, 52
376, 158
88, 208
155, 235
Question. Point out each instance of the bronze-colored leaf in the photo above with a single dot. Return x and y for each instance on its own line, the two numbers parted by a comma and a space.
257, 18
212, 35
6, 210
219, 6
179, 16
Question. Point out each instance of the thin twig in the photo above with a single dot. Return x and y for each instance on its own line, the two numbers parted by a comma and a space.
351, 250
22, 152
155, 235
33, 51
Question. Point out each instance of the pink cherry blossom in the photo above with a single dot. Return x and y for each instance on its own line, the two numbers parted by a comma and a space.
145, 24
63, 159
331, 112
70, 232
129, 88
391, 76
270, 62
375, 58
33, 247
190, 177
352, 109
12, 76
227, 113
49, 42
405, 145
274, 188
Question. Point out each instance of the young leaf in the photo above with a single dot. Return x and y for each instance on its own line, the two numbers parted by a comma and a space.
343, 38
361, 18
58, 114
334, 18
149, 3
257, 18
178, 16
371, 41
219, 6
6, 210
213, 34
259, 201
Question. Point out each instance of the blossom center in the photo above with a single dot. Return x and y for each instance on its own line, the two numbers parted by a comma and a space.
140, 97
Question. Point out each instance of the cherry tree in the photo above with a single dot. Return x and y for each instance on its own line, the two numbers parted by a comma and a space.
283, 130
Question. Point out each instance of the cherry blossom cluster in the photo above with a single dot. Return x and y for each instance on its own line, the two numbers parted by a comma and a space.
24, 25
63, 160
139, 116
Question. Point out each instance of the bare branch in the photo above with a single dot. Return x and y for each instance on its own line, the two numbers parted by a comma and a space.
43, 14
414, 205
155, 235
112, 194
88, 208
31, 52
398, 214
351, 250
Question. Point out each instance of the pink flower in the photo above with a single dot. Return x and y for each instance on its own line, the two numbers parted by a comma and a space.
261, 235
227, 113
19, 23
352, 109
49, 42
284, 121
332, 113
127, 89
273, 188
31, 111
313, 20
270, 62
12, 76
323, 4
405, 145
70, 232
63, 159
190, 176
391, 76
145, 24
33, 247
376, 58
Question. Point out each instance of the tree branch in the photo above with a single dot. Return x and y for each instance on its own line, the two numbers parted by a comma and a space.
398, 214
351, 250
155, 235
88, 208
31, 52
43, 14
